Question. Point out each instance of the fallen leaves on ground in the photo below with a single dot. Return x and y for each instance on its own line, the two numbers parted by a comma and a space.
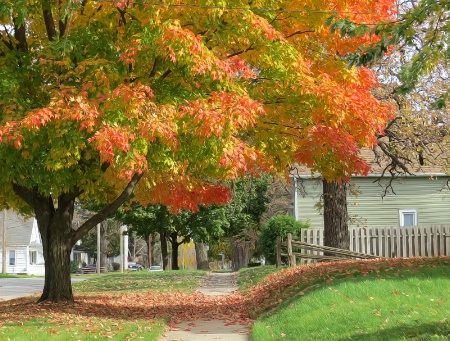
89, 310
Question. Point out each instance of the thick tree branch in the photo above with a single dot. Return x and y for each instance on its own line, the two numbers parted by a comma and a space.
48, 19
165, 74
297, 33
122, 15
32, 197
242, 51
105, 166
108, 210
68, 198
24, 193
20, 36
153, 70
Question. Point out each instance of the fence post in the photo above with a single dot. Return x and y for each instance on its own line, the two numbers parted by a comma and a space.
291, 257
278, 264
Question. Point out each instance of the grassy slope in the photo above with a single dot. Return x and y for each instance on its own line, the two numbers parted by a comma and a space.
393, 300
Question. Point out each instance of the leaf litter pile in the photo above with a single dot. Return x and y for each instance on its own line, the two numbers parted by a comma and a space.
105, 312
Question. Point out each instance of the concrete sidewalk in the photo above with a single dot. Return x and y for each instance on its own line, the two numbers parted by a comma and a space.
204, 330
11, 288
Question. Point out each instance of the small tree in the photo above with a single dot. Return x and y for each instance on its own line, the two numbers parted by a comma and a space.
278, 226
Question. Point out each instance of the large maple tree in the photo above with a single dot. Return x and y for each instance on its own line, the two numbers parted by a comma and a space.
101, 99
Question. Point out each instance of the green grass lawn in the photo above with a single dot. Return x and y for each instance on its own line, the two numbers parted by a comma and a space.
137, 281
398, 305
2, 275
80, 328
249, 277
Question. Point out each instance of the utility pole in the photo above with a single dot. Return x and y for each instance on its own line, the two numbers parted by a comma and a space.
121, 248
98, 249
4, 243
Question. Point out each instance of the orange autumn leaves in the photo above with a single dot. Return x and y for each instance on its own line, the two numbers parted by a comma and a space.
191, 97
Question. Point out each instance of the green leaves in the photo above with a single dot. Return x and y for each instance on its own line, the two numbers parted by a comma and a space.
346, 27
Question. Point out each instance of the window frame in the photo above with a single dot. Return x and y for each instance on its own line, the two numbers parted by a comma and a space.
12, 252
31, 253
401, 216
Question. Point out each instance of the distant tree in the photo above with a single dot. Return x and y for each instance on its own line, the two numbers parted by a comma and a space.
249, 201
110, 239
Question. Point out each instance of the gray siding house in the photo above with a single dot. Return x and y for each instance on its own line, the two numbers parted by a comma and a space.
423, 199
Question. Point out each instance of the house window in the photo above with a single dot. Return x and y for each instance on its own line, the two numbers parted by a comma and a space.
33, 257
408, 217
12, 257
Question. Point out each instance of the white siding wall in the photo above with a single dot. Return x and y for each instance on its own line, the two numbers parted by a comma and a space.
20, 266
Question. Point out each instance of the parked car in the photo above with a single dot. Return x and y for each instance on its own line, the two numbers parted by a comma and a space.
135, 266
155, 268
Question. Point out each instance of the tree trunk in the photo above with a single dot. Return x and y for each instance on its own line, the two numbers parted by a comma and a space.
336, 232
55, 227
149, 241
57, 235
175, 244
164, 252
201, 254
104, 245
240, 253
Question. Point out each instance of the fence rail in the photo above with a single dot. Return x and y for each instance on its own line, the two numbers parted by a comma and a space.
392, 241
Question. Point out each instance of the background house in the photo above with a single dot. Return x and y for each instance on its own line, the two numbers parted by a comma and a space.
404, 216
22, 243
422, 198
20, 238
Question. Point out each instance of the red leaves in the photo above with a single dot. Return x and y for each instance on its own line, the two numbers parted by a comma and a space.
222, 113
177, 195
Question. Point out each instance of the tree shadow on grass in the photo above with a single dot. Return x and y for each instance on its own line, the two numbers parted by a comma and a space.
422, 332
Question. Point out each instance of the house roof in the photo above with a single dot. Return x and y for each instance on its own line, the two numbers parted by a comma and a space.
378, 162
18, 229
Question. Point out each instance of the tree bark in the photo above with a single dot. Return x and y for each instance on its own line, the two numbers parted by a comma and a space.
154, 241
175, 244
240, 253
55, 227
201, 255
164, 250
336, 232
149, 241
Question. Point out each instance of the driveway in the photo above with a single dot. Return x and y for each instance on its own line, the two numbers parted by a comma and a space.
18, 287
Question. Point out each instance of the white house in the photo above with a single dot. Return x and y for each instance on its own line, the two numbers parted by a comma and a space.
22, 243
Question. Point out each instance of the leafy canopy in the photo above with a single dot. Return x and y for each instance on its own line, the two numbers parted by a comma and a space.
94, 94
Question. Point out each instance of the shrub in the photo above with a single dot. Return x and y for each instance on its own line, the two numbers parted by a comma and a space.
73, 266
116, 266
278, 226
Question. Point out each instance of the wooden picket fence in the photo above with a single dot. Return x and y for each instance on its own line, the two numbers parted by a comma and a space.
387, 242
